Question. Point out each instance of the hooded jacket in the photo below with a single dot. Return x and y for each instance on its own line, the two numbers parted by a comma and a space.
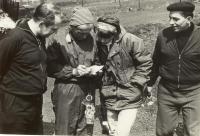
22, 62
128, 66
64, 54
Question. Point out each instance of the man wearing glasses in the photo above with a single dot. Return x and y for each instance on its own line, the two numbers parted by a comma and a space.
126, 67
23, 72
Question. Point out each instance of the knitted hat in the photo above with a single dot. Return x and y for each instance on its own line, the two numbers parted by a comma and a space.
81, 16
181, 6
114, 21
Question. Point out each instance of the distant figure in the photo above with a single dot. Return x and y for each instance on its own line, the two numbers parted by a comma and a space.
177, 61
127, 65
23, 72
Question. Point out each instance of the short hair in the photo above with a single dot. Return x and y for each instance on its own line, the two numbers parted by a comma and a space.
187, 14
45, 12
112, 20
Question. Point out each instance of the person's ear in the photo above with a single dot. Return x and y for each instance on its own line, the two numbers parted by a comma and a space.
41, 24
189, 18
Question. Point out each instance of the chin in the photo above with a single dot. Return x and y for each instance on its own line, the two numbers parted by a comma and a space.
176, 30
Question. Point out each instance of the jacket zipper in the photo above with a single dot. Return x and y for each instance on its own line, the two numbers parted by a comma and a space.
179, 70
39, 46
179, 65
41, 67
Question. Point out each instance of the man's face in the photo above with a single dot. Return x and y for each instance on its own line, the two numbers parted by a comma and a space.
48, 29
178, 22
45, 30
82, 32
105, 33
104, 38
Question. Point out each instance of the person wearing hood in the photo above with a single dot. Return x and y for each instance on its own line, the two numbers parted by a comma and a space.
127, 65
23, 72
70, 57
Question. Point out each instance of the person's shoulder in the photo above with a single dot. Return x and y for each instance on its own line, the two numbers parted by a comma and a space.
16, 33
132, 37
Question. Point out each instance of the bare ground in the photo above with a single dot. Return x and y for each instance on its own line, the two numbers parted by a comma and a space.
145, 23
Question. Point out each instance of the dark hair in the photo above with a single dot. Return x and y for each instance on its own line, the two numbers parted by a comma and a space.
110, 20
187, 14
46, 13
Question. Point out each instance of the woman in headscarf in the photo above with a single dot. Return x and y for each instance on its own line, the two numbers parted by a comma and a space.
70, 57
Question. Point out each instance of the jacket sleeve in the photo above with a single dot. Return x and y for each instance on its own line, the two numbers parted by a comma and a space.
57, 66
8, 49
143, 63
155, 69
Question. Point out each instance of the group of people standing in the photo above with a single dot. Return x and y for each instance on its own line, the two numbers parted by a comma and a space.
98, 54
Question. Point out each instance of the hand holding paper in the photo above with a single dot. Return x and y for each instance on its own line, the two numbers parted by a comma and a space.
95, 69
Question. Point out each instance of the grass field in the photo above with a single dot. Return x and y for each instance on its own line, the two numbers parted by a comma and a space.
145, 23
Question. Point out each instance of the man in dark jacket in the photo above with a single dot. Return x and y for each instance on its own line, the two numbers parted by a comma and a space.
177, 61
23, 72
126, 67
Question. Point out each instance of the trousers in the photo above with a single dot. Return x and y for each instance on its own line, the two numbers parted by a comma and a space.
69, 110
121, 122
21, 114
170, 104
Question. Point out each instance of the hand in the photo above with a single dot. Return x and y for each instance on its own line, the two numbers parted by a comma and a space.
81, 70
95, 69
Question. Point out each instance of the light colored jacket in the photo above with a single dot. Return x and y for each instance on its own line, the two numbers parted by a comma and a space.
131, 64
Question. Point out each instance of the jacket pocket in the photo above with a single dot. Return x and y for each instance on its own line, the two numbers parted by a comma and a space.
129, 92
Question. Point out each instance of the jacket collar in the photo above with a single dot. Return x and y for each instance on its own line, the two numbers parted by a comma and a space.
116, 46
23, 24
119, 37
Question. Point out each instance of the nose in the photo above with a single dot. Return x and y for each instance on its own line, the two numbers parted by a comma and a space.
171, 22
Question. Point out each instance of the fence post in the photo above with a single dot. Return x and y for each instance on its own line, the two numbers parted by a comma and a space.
139, 5
120, 3
82, 3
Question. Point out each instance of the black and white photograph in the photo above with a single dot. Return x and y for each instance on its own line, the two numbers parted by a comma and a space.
100, 67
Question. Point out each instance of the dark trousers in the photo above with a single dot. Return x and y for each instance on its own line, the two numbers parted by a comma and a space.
21, 114
1, 115
170, 103
69, 110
